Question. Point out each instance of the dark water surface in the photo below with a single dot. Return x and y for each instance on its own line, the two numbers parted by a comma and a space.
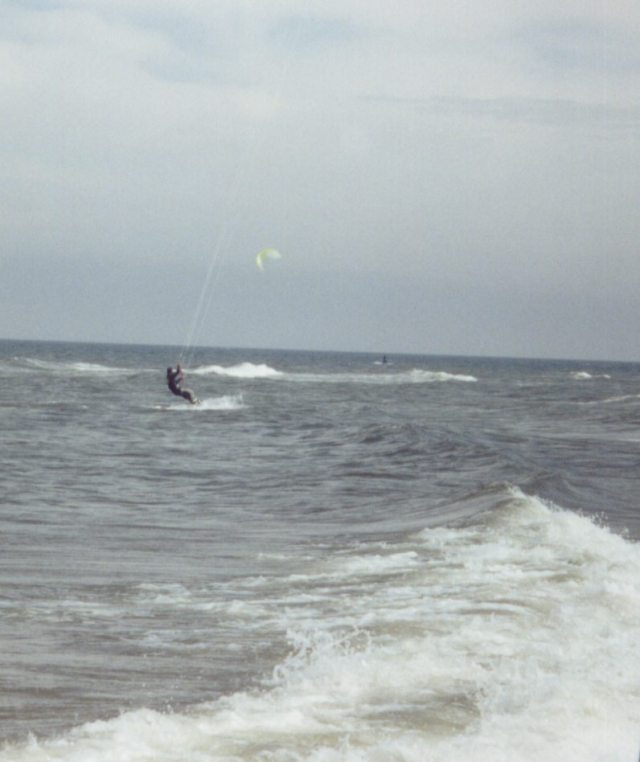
330, 558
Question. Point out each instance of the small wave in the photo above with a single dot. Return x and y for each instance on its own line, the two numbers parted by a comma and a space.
243, 370
583, 375
248, 370
163, 594
613, 400
88, 367
415, 376
73, 367
429, 376
227, 402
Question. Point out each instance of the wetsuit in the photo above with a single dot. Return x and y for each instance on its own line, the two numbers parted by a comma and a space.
174, 380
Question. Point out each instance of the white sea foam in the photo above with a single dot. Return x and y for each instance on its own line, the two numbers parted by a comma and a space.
248, 370
415, 376
245, 370
510, 638
621, 398
75, 367
226, 402
428, 376
583, 375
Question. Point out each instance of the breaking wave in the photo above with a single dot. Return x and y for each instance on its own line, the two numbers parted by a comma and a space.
415, 376
74, 367
512, 636
245, 370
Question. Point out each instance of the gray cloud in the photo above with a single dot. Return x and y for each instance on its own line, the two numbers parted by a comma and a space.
433, 175
558, 111
578, 45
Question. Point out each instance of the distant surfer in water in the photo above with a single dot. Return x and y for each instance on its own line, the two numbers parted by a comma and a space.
174, 382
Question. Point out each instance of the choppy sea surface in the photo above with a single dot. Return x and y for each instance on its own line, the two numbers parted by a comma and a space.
330, 558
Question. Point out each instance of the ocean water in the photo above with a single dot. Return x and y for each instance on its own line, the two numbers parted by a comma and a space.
330, 559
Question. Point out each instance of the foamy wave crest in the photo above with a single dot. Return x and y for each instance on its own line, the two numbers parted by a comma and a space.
511, 637
582, 375
243, 370
430, 376
414, 376
74, 367
621, 398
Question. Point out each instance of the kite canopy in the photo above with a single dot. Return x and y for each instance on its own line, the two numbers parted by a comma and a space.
266, 254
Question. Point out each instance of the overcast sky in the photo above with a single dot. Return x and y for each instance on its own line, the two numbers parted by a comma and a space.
440, 177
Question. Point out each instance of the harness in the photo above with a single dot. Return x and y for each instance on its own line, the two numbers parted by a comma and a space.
174, 381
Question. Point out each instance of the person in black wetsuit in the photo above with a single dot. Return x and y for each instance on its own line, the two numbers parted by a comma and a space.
174, 382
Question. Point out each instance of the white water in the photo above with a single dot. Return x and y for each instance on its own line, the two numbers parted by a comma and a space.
245, 370
583, 375
226, 402
510, 637
415, 376
74, 367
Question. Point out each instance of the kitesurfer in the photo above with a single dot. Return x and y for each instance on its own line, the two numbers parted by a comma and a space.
174, 382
